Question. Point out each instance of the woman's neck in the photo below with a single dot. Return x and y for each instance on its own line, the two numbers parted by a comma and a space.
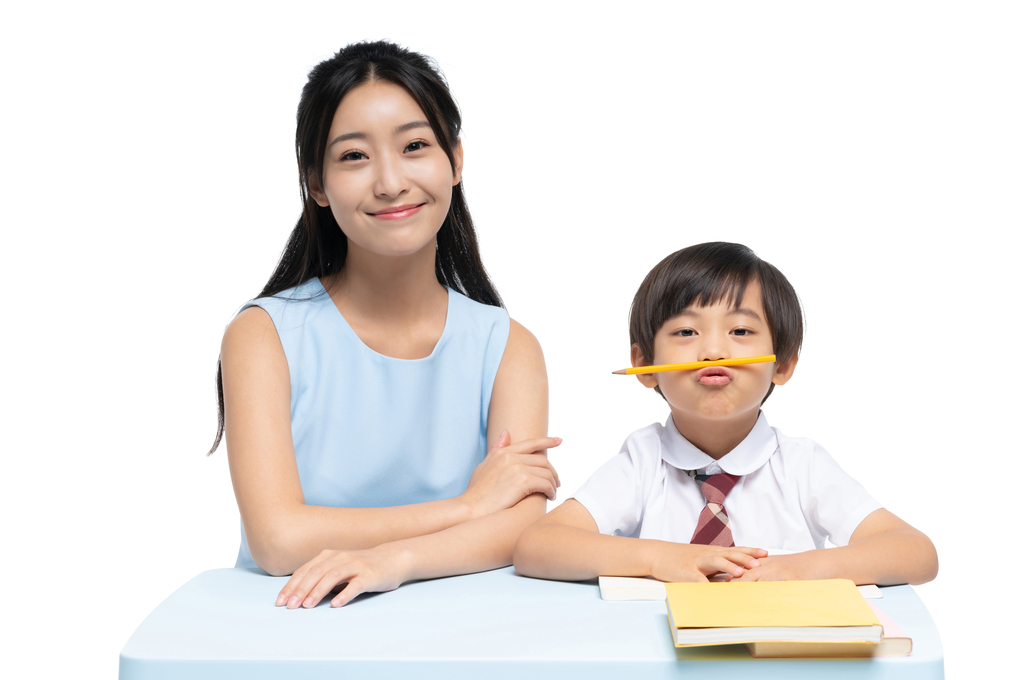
395, 305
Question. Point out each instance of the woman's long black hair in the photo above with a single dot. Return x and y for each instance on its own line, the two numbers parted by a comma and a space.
317, 246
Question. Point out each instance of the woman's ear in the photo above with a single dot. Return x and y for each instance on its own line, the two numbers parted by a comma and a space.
457, 170
784, 371
316, 192
636, 357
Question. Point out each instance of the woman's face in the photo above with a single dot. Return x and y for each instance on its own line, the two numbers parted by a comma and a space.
386, 179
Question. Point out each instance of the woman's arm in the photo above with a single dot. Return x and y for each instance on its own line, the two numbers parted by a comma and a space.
519, 404
283, 532
883, 549
566, 545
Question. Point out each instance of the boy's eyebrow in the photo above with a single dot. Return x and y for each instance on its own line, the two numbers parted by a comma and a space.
362, 135
738, 310
746, 312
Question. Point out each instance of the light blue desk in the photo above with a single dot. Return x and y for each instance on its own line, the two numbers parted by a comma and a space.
491, 626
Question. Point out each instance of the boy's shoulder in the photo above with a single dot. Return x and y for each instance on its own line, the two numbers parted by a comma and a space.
649, 435
794, 447
807, 459
645, 447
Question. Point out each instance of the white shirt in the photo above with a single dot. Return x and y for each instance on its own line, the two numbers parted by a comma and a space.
791, 494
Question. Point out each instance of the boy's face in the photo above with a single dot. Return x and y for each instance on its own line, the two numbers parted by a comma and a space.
721, 394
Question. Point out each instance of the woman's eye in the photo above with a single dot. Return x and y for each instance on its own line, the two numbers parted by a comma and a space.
353, 156
416, 146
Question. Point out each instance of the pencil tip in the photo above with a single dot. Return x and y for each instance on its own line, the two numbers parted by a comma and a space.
621, 371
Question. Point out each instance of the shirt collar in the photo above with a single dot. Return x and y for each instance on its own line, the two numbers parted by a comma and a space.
750, 454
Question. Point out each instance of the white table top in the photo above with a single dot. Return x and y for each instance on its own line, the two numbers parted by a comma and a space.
493, 625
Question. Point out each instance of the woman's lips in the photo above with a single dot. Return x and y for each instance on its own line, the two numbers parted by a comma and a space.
715, 375
398, 212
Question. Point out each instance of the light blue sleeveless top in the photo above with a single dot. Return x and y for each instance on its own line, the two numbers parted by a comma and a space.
372, 431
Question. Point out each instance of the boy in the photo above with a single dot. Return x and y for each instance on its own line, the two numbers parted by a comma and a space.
671, 503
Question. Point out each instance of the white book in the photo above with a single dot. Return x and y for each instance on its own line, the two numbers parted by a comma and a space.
630, 588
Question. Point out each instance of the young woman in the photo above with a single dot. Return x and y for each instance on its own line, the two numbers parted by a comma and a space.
363, 387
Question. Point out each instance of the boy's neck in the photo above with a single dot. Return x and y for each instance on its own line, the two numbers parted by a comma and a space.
716, 438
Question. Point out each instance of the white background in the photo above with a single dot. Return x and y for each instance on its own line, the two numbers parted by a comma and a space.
872, 151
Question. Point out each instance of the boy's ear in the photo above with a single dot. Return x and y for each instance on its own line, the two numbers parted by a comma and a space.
636, 357
316, 192
784, 371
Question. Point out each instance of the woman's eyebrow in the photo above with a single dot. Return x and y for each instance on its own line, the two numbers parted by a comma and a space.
362, 135
347, 136
411, 126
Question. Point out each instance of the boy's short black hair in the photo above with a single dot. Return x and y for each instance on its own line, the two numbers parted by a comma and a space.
706, 274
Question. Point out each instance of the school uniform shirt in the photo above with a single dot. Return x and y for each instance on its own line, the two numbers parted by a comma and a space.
791, 494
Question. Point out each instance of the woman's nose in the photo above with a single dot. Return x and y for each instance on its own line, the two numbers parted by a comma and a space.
391, 181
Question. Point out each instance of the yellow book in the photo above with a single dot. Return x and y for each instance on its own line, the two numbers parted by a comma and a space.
773, 611
895, 642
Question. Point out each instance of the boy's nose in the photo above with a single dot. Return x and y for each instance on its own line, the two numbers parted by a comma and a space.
712, 351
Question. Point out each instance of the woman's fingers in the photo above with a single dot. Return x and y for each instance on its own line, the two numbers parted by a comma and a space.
363, 570
539, 480
354, 588
510, 473
536, 462
534, 445
504, 439
300, 588
289, 588
333, 577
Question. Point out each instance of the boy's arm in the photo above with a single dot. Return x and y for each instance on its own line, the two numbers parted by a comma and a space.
883, 549
566, 545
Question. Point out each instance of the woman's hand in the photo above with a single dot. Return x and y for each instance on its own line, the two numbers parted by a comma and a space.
365, 571
510, 473
689, 562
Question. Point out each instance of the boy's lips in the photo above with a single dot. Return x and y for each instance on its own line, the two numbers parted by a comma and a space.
398, 212
714, 375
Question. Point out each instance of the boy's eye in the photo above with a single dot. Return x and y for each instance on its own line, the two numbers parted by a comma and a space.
416, 146
353, 156
686, 332
742, 331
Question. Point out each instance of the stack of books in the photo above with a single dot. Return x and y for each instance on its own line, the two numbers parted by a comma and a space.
783, 618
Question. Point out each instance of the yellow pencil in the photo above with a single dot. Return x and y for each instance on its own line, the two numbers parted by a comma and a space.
693, 365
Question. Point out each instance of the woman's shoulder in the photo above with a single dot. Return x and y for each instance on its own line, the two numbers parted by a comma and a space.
290, 308
260, 321
477, 314
522, 341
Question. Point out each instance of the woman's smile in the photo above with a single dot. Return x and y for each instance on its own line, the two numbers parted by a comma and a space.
398, 212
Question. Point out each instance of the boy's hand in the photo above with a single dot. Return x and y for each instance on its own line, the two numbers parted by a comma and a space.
794, 567
687, 562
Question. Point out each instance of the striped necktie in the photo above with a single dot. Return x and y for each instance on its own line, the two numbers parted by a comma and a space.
713, 523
